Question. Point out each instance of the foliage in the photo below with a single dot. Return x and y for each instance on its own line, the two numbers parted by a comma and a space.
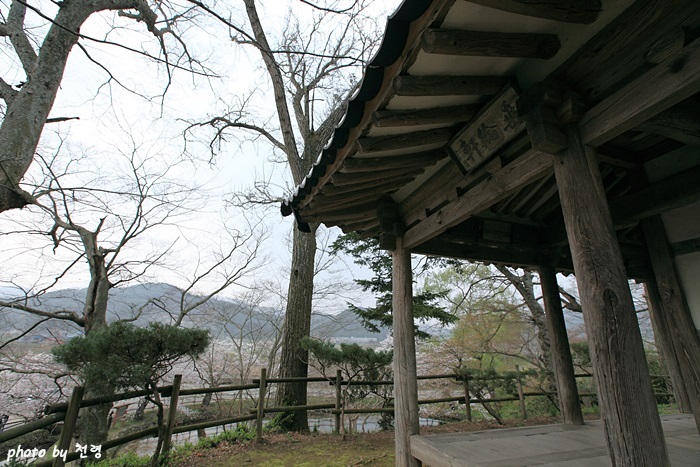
581, 356
356, 362
122, 356
366, 252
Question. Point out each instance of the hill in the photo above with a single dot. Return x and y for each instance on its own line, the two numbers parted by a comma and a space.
160, 302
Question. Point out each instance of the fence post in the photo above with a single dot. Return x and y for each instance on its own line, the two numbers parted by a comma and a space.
338, 398
64, 441
172, 412
261, 405
467, 398
521, 394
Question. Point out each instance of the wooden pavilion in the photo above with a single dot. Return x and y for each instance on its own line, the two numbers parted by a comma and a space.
557, 135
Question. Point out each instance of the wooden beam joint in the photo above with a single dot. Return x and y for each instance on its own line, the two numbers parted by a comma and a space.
546, 107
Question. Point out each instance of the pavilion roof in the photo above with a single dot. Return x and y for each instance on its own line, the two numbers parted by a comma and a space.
433, 145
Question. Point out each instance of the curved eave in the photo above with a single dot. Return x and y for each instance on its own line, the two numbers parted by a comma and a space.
393, 46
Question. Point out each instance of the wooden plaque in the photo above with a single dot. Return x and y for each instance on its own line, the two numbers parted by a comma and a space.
495, 125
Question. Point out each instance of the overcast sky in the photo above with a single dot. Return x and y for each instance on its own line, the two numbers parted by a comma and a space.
125, 114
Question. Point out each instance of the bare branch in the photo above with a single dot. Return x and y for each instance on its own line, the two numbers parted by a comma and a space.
330, 10
65, 315
14, 29
7, 93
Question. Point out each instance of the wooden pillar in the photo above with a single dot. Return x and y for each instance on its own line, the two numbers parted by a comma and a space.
664, 343
405, 377
674, 310
559, 345
628, 406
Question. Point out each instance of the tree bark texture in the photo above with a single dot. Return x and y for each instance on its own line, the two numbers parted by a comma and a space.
628, 406
561, 352
297, 325
405, 373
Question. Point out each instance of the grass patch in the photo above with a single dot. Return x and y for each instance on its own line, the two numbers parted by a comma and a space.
292, 449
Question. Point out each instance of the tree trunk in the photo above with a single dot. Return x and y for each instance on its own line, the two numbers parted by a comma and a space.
525, 287
93, 426
27, 112
297, 325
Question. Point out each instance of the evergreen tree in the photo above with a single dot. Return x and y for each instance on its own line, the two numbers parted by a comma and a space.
366, 252
122, 356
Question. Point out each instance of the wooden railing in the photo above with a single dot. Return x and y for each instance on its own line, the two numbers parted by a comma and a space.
68, 412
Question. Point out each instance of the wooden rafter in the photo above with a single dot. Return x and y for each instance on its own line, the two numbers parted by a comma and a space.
404, 141
658, 89
343, 179
489, 44
406, 161
432, 116
572, 11
386, 184
448, 85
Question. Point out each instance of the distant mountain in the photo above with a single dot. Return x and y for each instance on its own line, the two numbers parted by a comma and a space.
161, 302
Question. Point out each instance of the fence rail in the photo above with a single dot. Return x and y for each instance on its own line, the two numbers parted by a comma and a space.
68, 412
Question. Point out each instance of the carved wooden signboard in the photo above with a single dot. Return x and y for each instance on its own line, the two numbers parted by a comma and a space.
495, 125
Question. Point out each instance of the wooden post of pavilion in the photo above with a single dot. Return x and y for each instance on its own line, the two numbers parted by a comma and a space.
405, 377
628, 406
664, 343
674, 311
561, 352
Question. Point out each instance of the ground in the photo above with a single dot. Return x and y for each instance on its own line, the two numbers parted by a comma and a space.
285, 449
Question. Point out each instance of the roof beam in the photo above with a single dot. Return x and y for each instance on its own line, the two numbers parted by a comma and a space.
448, 85
515, 175
681, 123
489, 44
660, 88
490, 253
434, 116
571, 11
673, 192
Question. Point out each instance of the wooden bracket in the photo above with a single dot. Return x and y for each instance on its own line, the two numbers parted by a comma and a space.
546, 107
390, 224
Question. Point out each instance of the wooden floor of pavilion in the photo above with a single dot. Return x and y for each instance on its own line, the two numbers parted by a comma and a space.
549, 445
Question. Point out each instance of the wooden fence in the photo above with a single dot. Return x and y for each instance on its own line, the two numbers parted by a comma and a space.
68, 412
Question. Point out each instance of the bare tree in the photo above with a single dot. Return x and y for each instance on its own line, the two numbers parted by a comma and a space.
125, 211
39, 38
306, 69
